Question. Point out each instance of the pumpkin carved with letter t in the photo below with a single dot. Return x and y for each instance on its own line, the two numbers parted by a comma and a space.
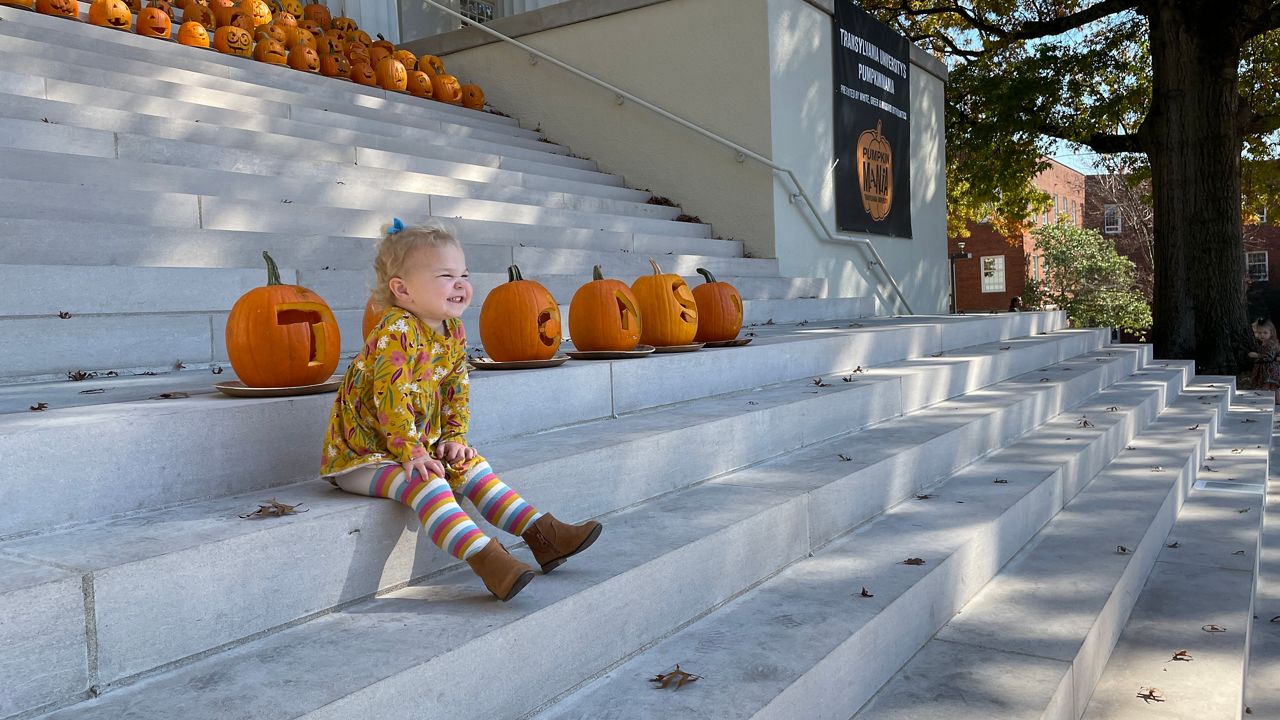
282, 335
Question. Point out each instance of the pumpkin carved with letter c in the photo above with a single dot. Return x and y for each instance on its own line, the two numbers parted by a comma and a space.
520, 320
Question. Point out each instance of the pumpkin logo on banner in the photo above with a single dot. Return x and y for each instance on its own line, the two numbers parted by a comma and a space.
875, 173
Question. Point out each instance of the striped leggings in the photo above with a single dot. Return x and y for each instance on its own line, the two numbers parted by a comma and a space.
432, 500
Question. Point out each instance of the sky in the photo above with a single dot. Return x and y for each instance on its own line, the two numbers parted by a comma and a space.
1077, 158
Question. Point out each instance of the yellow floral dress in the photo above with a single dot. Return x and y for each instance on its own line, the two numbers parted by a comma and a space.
404, 393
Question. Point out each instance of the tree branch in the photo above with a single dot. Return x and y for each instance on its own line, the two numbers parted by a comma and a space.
1026, 31
1105, 143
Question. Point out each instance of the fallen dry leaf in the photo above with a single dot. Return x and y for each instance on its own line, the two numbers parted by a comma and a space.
79, 375
1084, 423
39, 407
1044, 379
913, 561
1006, 347
1213, 628
95, 391
819, 383
1243, 510
179, 366
271, 508
1156, 468
844, 458
1122, 550
1237, 451
677, 677
1238, 552
64, 314
1151, 694
1182, 656
1113, 408
847, 378
1194, 427
216, 369
1173, 545
1000, 481
924, 496
170, 396
864, 593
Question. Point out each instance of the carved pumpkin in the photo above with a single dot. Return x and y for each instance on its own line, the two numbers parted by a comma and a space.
111, 13
273, 32
391, 75
875, 173
345, 24
282, 335
719, 309
383, 43
135, 6
193, 34
293, 7
360, 36
407, 59
520, 320
289, 24
195, 12
670, 313
214, 5
362, 74
339, 37
419, 84
305, 39
233, 40
446, 89
166, 7
59, 8
604, 315
377, 55
318, 14
24, 4
472, 97
258, 11
372, 315
315, 30
153, 22
431, 65
232, 15
357, 52
329, 45
269, 50
335, 65
305, 59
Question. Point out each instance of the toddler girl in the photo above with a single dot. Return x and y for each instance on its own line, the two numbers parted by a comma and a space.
1266, 359
399, 423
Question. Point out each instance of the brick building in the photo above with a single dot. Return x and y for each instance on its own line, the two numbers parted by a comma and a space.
999, 267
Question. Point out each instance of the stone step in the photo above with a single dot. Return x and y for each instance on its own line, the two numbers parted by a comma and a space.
491, 247
42, 348
113, 290
788, 509
277, 436
806, 643
31, 199
1262, 660
1038, 636
74, 75
1204, 575
267, 82
173, 162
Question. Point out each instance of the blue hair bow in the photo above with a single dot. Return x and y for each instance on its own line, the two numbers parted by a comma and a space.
396, 226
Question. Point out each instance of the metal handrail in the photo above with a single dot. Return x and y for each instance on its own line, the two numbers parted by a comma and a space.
744, 152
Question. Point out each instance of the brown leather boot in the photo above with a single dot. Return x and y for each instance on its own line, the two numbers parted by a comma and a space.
553, 542
502, 574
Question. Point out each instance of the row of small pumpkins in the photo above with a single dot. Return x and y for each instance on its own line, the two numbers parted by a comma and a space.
283, 335
520, 319
304, 38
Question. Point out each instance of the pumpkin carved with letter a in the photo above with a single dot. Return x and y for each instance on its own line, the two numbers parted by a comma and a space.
604, 315
520, 320
670, 313
719, 309
111, 13
282, 335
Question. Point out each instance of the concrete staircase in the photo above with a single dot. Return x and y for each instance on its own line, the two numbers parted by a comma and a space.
750, 495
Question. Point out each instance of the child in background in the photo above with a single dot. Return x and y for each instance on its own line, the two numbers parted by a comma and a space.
1266, 359
399, 423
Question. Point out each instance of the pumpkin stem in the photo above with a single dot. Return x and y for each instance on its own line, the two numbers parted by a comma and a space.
707, 274
273, 271
513, 273
656, 270
380, 37
596, 274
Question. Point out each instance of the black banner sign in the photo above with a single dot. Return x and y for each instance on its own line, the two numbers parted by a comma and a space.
872, 124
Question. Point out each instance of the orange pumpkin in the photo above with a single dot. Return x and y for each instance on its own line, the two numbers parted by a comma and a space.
372, 316
345, 24
270, 51
195, 12
391, 75
339, 37
670, 313
24, 4
360, 36
419, 84
431, 65
311, 27
472, 97
304, 38
719, 309
258, 11
60, 8
407, 59
446, 89
153, 22
289, 24
282, 335
233, 40
193, 34
305, 59
318, 14
383, 42
362, 74
111, 13
293, 7
377, 55
520, 320
604, 315
166, 7
329, 45
335, 65
274, 32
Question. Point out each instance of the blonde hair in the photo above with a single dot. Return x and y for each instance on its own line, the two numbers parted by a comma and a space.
1264, 324
396, 247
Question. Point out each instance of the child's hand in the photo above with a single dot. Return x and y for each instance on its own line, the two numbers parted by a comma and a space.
452, 452
426, 467
1254, 355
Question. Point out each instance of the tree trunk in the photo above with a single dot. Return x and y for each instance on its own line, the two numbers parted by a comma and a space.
1194, 138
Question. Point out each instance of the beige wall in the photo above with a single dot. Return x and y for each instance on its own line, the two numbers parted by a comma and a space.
704, 60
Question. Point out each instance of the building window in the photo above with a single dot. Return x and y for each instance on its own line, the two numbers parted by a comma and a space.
477, 11
1257, 265
1111, 219
993, 273
1075, 218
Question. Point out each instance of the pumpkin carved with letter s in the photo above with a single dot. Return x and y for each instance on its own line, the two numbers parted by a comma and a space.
670, 313
282, 335
520, 320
